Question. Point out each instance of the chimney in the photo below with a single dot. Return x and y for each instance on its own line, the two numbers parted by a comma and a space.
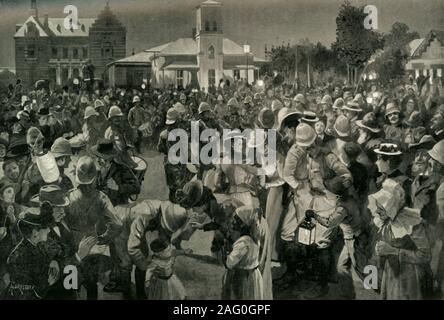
33, 10
45, 22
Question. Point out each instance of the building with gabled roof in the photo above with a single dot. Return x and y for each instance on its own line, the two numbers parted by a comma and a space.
57, 49
201, 60
427, 56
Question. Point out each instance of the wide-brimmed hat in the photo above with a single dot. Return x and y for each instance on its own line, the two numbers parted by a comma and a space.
44, 112
89, 112
288, 117
309, 117
299, 98
339, 103
425, 142
352, 106
437, 152
115, 111
369, 122
86, 171
104, 149
18, 150
78, 141
266, 118
173, 216
391, 108
204, 107
180, 107
388, 149
276, 105
327, 100
172, 116
44, 219
98, 103
342, 127
136, 99
305, 135
61, 147
53, 194
233, 103
191, 193
414, 119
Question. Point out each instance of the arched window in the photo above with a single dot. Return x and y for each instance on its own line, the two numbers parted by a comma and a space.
207, 25
214, 26
211, 52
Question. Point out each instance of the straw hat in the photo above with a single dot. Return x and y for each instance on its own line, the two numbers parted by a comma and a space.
89, 112
388, 149
342, 127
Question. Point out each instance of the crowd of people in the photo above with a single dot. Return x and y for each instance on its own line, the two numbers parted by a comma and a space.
358, 181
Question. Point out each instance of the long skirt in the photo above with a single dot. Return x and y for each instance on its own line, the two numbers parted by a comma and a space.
165, 289
273, 214
242, 285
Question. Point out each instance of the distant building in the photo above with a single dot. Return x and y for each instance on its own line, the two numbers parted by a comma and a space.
427, 56
45, 49
201, 60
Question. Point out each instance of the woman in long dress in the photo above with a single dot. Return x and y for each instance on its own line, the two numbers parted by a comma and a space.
242, 279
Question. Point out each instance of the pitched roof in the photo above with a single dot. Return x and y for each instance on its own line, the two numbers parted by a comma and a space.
24, 28
414, 44
141, 57
438, 34
56, 28
231, 47
56, 25
182, 46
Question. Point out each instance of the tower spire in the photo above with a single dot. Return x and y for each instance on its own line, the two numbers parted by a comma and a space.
33, 10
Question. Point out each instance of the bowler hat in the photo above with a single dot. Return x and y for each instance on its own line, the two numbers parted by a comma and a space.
18, 150
42, 220
53, 194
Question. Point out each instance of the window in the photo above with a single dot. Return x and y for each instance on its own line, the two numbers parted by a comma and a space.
214, 26
54, 53
179, 78
85, 53
207, 25
30, 51
75, 53
65, 53
107, 50
211, 52
212, 77
236, 74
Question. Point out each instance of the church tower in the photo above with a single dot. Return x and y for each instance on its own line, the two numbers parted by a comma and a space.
209, 38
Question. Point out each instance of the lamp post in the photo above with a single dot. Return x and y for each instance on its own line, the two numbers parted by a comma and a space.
246, 51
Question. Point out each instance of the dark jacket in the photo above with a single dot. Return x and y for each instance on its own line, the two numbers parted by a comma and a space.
125, 179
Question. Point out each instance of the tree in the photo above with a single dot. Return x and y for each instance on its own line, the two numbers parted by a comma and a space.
354, 43
390, 65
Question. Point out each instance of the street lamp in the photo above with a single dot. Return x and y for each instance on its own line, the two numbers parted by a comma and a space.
246, 51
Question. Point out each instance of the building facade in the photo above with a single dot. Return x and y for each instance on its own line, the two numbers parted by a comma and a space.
202, 60
427, 56
46, 49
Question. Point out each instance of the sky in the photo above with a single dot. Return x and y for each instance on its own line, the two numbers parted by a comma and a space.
153, 22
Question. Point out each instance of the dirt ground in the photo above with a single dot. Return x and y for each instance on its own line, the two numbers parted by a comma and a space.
201, 276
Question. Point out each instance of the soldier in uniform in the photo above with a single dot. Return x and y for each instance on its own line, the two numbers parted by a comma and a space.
91, 213
30, 270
